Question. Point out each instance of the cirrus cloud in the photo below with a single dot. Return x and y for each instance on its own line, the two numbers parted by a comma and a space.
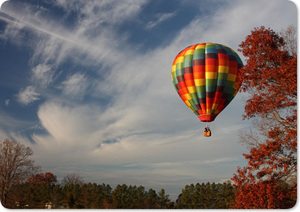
28, 95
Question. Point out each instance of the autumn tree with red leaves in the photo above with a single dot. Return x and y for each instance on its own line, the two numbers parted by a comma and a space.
270, 78
42, 178
36, 191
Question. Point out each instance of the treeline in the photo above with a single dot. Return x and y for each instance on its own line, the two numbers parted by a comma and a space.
206, 196
40, 192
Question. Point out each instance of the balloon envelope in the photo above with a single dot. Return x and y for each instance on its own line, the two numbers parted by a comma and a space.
206, 78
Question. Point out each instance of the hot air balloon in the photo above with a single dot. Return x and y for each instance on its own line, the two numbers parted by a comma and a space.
206, 78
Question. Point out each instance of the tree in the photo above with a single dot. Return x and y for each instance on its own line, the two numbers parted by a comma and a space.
42, 178
96, 196
72, 195
119, 196
163, 199
140, 197
36, 191
206, 196
90, 195
151, 201
56, 196
290, 37
133, 197
270, 77
72, 179
15, 167
270, 194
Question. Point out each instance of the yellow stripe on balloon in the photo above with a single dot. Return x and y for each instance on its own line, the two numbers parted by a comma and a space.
231, 77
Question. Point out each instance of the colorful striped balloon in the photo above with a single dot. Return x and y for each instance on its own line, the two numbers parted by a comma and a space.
206, 78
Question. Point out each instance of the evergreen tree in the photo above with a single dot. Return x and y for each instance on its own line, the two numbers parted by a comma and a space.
206, 196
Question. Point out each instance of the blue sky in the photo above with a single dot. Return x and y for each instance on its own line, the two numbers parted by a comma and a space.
87, 85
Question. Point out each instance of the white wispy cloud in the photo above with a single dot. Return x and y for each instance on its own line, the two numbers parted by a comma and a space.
28, 95
161, 17
75, 86
93, 36
42, 74
69, 123
231, 24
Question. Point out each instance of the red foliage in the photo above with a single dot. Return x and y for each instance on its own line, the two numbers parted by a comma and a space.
42, 178
271, 70
267, 194
271, 77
